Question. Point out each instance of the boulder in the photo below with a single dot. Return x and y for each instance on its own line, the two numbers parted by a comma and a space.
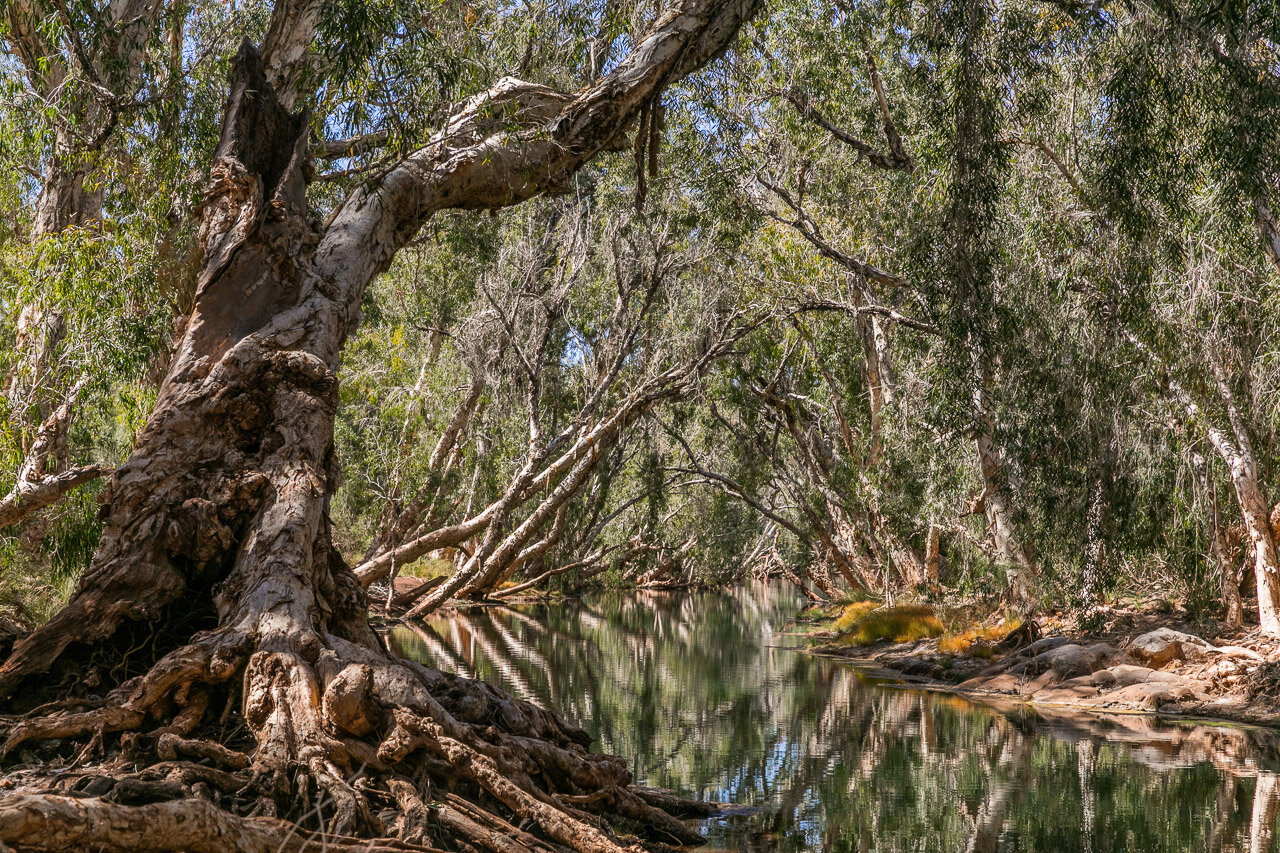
1103, 678
1153, 700
1001, 683
1125, 675
1071, 660
1043, 645
1106, 651
1150, 695
1066, 661
1157, 648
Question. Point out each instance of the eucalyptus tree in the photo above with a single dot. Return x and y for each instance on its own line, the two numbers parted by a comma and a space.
883, 153
216, 540
1209, 211
1165, 157
1011, 210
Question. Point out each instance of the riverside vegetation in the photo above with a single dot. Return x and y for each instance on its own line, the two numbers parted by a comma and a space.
310, 307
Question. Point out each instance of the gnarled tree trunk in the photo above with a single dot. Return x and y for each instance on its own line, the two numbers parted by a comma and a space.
216, 584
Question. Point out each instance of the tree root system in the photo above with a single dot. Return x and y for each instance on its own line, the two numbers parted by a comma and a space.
221, 748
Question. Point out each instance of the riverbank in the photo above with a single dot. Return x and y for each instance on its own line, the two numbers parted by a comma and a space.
1146, 663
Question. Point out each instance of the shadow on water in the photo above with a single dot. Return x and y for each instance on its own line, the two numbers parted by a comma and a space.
701, 693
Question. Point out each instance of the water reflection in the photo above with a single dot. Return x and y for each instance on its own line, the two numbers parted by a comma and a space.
700, 691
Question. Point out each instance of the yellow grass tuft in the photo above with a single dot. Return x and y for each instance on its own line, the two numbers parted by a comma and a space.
978, 641
852, 614
862, 623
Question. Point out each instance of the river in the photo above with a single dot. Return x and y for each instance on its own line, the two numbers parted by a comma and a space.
706, 696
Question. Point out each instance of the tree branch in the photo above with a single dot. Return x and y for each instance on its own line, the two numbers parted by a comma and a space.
352, 146
808, 229
542, 137
881, 310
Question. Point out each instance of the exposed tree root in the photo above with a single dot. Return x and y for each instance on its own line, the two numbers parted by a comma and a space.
342, 747
53, 823
268, 716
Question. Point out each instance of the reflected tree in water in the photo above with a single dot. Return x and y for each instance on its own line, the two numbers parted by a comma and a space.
700, 690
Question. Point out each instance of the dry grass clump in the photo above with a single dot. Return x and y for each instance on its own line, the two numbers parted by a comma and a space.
868, 622
852, 614
428, 568
977, 641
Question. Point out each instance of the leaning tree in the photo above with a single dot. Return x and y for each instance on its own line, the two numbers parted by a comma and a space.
218, 648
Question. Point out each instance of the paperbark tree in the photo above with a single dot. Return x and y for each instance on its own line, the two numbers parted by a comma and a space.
216, 546
86, 88
577, 411
874, 294
1235, 447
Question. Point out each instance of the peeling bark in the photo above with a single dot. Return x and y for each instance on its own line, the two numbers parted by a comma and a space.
216, 544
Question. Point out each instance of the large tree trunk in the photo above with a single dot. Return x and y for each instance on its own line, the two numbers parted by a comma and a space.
216, 583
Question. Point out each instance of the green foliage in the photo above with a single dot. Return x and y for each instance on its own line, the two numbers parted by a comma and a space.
1083, 179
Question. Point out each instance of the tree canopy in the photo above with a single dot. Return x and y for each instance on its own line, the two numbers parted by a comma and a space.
970, 294
889, 298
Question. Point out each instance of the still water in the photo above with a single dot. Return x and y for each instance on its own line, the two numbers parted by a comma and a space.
703, 694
